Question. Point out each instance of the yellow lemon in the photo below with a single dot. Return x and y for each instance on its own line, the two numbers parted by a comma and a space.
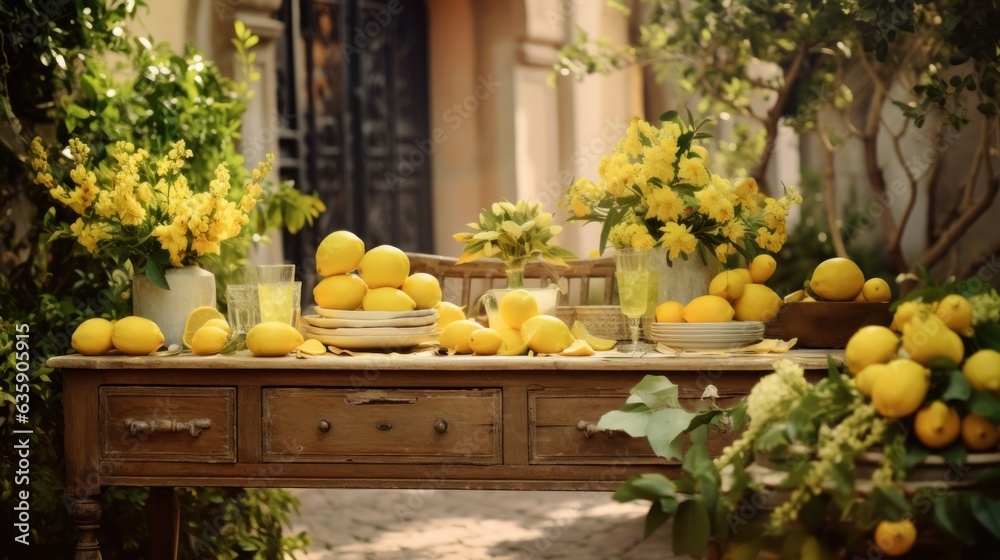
387, 299
341, 291
982, 369
208, 340
448, 313
895, 538
762, 267
197, 319
937, 425
511, 339
758, 303
670, 312
708, 309
219, 324
956, 312
136, 336
865, 379
745, 274
580, 331
906, 312
727, 285
929, 339
837, 279
273, 339
339, 253
384, 266
545, 334
516, 307
93, 337
900, 392
312, 347
424, 289
797, 295
876, 290
979, 434
485, 342
870, 345
578, 348
456, 335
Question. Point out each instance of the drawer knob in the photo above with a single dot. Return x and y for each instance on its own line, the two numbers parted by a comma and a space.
193, 427
384, 426
441, 426
324, 426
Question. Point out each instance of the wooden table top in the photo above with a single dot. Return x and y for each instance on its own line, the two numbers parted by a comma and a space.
809, 359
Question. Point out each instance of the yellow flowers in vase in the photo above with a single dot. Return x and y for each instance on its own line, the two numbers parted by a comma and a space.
131, 206
656, 190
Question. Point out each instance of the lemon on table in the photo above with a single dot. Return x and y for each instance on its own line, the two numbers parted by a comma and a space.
708, 309
273, 339
956, 312
895, 538
745, 274
511, 339
448, 313
727, 285
979, 434
424, 289
758, 303
670, 312
456, 335
579, 347
580, 331
136, 336
220, 324
387, 299
937, 425
762, 267
312, 347
837, 279
208, 340
875, 290
900, 392
384, 266
982, 370
545, 334
93, 337
341, 291
516, 307
339, 253
485, 342
870, 345
197, 319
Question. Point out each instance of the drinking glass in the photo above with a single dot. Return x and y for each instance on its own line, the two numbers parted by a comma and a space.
632, 273
244, 307
280, 301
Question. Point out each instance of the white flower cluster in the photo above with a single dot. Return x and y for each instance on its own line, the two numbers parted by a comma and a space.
985, 308
776, 393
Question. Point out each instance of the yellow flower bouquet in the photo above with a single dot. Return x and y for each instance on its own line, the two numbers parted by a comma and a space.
656, 190
132, 207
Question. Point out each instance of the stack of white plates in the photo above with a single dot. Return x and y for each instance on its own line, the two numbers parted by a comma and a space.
709, 336
366, 330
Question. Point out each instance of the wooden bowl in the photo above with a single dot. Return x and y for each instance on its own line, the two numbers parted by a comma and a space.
826, 324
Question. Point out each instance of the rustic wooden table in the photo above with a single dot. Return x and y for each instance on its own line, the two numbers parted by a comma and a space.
366, 421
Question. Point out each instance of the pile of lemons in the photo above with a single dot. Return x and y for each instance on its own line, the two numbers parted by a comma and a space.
375, 280
840, 279
738, 294
133, 336
207, 332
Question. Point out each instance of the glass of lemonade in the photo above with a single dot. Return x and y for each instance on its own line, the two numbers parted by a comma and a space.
280, 301
632, 274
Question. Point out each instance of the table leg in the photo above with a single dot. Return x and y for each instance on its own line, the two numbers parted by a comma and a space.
164, 517
86, 514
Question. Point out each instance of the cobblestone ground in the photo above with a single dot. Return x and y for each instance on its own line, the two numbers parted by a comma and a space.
473, 525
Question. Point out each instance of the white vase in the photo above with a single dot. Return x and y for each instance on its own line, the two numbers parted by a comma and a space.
190, 287
684, 280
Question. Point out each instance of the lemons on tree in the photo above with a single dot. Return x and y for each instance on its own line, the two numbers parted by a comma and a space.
516, 307
895, 538
448, 313
208, 340
341, 291
456, 335
136, 336
424, 289
708, 309
339, 253
670, 312
545, 334
982, 370
384, 266
837, 279
901, 392
956, 313
197, 319
761, 268
876, 290
927, 339
979, 434
727, 285
870, 345
580, 331
485, 342
93, 337
937, 425
387, 299
758, 303
273, 339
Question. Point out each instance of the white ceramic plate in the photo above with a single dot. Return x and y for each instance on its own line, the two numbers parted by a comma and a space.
729, 326
372, 315
327, 323
372, 331
731, 344
396, 342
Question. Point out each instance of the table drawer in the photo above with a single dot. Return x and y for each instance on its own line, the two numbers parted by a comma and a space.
562, 426
383, 426
182, 424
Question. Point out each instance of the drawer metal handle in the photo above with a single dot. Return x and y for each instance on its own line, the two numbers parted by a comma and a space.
384, 426
194, 427
589, 429
324, 426
441, 426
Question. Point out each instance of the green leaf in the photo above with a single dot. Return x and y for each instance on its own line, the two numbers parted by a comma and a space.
691, 529
671, 116
155, 274
986, 405
955, 453
665, 429
657, 392
655, 518
889, 502
986, 510
632, 422
954, 518
653, 486
958, 387
914, 455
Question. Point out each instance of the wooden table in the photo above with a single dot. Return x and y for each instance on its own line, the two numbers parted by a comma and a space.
367, 421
